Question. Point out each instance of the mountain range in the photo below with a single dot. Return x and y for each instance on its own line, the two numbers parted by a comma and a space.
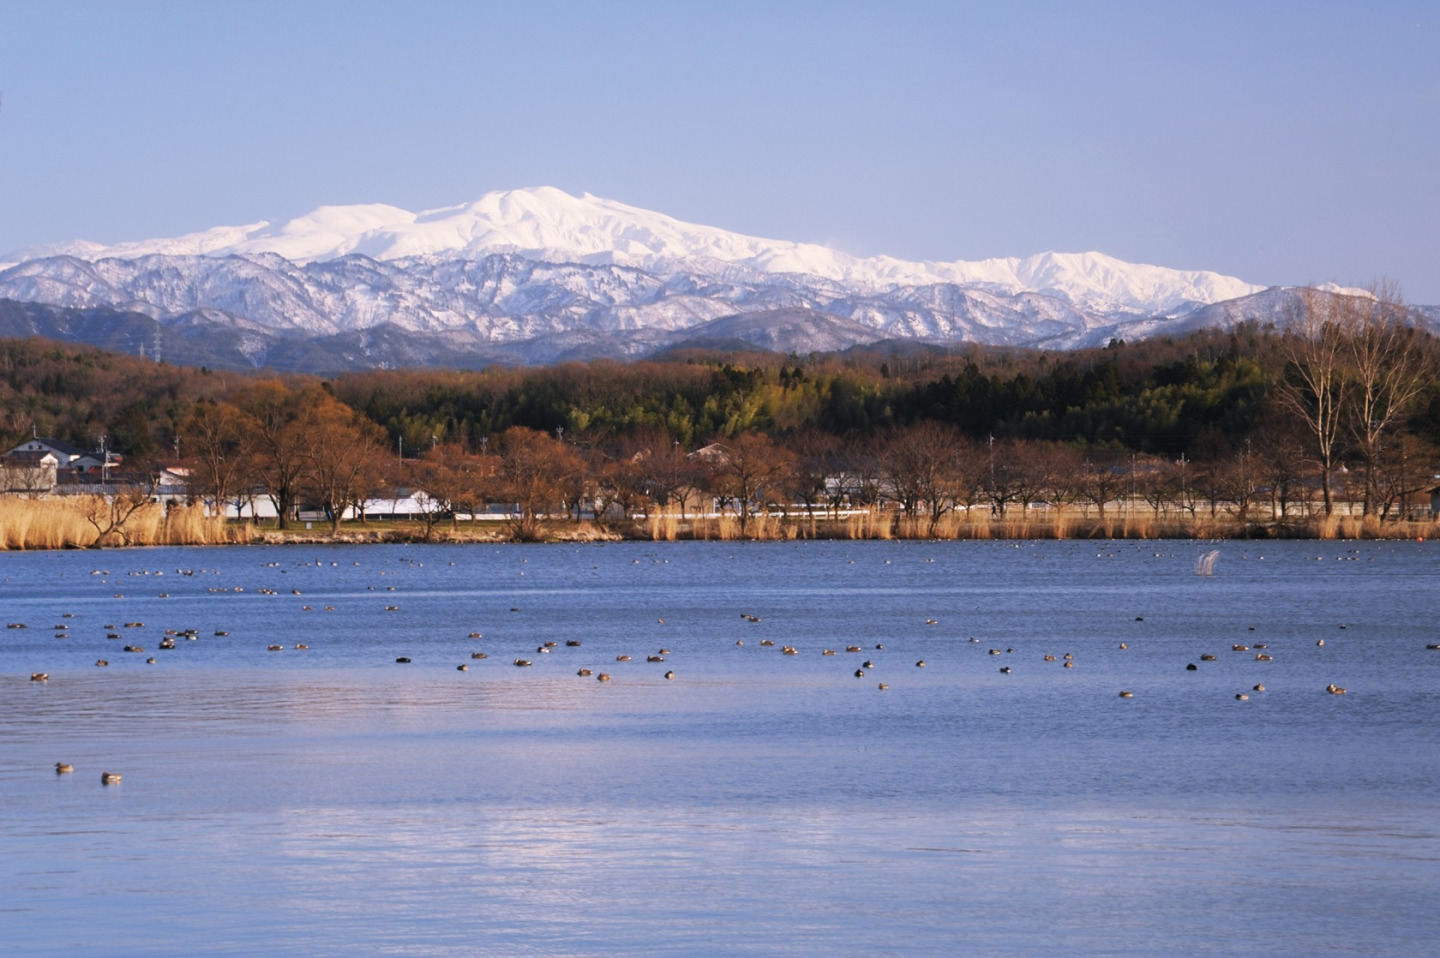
539, 275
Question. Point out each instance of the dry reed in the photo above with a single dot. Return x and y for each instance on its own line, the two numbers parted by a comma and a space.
73, 522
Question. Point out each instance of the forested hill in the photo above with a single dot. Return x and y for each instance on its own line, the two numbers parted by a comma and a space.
1199, 395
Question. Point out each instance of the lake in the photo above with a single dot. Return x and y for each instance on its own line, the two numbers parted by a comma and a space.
329, 799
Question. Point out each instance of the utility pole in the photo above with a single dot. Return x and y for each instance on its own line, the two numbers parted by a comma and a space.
1184, 498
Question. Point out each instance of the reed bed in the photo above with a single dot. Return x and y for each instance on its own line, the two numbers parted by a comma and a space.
78, 522
663, 526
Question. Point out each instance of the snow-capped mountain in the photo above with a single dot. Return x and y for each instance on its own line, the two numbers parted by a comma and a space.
515, 273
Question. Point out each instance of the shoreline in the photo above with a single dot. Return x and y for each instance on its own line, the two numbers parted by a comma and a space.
182, 531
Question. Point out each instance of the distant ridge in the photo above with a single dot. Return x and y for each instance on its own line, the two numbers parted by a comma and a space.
550, 224
537, 275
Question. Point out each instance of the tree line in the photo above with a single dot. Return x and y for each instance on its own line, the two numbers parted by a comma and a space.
1342, 402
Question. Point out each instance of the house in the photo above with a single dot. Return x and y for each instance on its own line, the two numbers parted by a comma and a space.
68, 458
64, 453
28, 471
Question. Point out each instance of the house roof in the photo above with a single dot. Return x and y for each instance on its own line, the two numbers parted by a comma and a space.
33, 457
50, 442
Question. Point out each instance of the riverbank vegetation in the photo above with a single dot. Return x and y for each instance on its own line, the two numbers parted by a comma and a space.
1328, 428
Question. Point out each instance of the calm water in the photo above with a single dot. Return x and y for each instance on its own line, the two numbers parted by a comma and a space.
329, 800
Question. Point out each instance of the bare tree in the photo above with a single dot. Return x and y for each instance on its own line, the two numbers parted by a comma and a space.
816, 462
1392, 362
748, 472
667, 473
110, 512
341, 447
280, 456
1235, 482
534, 472
1280, 465
1313, 387
924, 471
220, 436
453, 481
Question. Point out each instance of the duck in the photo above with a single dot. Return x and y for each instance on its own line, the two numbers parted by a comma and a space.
403, 659
859, 673
462, 667
1127, 695
622, 658
39, 676
1241, 697
584, 672
883, 686
603, 677
1334, 689
1005, 669
522, 663
670, 676
654, 658
478, 655
101, 663
63, 768
109, 778
920, 664
1258, 688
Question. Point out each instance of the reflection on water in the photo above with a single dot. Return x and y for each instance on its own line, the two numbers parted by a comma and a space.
327, 799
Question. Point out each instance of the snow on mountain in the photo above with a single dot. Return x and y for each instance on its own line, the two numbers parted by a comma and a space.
548, 224
539, 275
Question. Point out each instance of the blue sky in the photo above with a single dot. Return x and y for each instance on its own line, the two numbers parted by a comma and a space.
1277, 142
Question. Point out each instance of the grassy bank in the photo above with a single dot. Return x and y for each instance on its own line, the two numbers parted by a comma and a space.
91, 522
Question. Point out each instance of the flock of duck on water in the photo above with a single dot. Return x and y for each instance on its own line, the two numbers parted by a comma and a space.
173, 636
